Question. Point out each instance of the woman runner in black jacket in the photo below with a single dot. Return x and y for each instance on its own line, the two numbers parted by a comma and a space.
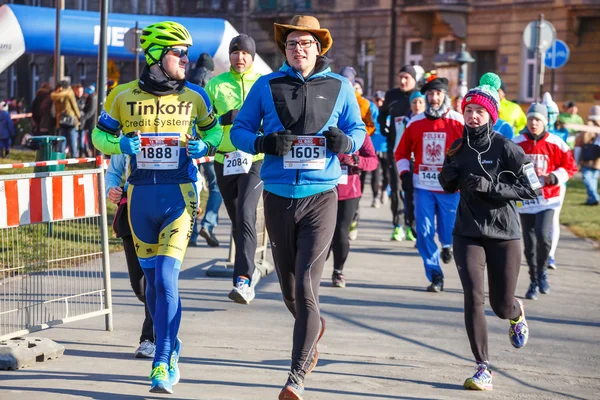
491, 173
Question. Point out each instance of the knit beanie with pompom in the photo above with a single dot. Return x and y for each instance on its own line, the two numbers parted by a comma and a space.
485, 95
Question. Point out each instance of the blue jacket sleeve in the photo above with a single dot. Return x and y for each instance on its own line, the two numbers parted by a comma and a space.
115, 171
350, 121
247, 123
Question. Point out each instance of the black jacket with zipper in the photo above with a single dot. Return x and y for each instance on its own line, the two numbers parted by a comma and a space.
490, 215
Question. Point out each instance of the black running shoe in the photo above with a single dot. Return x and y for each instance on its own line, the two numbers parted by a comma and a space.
211, 240
437, 284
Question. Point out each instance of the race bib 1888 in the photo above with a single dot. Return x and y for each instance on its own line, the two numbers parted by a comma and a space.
308, 152
159, 151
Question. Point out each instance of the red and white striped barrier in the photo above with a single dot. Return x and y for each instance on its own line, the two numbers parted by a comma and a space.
204, 160
29, 201
51, 163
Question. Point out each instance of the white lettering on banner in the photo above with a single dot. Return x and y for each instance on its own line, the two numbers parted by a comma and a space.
158, 152
115, 35
540, 163
343, 180
237, 162
308, 152
434, 146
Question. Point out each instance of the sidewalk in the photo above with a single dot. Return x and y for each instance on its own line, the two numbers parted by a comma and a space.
386, 337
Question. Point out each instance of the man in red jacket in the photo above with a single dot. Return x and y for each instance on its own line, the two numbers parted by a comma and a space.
428, 137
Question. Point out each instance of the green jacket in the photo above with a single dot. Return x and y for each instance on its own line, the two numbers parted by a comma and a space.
566, 118
228, 91
513, 114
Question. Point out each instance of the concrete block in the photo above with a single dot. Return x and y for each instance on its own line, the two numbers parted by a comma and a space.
23, 352
15, 354
222, 269
45, 349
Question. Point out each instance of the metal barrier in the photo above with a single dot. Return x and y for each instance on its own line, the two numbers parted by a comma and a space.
54, 254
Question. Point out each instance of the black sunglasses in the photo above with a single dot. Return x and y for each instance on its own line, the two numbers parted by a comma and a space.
178, 52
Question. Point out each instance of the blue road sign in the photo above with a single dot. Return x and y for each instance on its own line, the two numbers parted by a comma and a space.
557, 55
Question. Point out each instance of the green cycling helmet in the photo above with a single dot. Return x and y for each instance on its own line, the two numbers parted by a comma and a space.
156, 37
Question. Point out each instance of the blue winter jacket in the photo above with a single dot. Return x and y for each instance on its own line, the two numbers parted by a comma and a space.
379, 141
285, 100
7, 128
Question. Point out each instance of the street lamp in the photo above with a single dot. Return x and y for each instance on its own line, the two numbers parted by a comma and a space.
463, 58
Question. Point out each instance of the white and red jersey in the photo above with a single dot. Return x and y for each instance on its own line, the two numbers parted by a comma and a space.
429, 140
549, 155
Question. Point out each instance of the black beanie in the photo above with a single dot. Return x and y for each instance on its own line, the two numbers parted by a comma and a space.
437, 83
243, 42
409, 69
206, 61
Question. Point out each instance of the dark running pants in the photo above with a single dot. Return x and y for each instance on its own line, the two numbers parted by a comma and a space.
341, 243
503, 259
537, 238
138, 284
241, 194
397, 201
300, 231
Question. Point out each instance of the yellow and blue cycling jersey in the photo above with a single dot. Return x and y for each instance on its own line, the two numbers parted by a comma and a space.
163, 121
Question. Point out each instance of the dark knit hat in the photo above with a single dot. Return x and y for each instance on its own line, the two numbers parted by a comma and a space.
433, 82
409, 69
243, 42
206, 61
348, 73
485, 95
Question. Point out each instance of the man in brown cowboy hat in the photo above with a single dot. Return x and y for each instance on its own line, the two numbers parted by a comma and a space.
308, 115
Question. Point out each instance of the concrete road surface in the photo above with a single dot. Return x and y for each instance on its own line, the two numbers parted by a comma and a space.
386, 337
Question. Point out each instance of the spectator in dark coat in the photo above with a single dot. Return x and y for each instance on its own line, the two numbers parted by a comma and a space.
7, 130
203, 71
37, 109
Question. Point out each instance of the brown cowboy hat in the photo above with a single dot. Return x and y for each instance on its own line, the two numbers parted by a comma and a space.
304, 23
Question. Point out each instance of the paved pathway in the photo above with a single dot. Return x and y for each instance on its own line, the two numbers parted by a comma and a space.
386, 339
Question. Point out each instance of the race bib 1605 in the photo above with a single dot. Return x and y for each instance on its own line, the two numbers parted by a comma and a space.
308, 152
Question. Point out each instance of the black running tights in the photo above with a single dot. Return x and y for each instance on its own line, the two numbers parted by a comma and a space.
503, 259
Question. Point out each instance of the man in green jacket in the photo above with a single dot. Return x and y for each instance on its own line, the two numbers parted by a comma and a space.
511, 112
238, 173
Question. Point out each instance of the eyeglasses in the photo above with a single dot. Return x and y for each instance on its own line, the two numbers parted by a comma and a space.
305, 44
178, 52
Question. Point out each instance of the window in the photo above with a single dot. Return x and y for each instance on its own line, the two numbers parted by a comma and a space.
35, 79
448, 45
529, 72
414, 52
12, 76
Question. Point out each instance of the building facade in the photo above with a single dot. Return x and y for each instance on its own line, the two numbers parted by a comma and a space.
362, 33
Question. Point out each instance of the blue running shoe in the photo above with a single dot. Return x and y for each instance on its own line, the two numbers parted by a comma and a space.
293, 389
160, 379
518, 333
551, 263
532, 292
482, 380
543, 283
173, 367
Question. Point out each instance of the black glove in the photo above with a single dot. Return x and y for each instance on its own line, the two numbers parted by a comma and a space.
337, 140
477, 184
450, 171
407, 182
550, 180
228, 117
276, 143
